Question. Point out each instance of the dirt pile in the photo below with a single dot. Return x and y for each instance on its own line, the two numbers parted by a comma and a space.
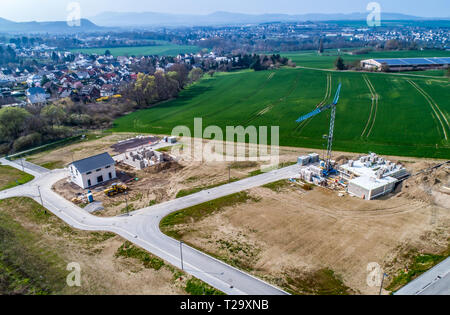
430, 186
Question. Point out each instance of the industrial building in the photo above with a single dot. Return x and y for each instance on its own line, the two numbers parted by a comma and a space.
406, 64
371, 176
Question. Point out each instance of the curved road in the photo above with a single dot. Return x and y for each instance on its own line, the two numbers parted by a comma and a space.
142, 226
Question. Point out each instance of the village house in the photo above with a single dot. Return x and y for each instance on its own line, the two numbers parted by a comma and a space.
36, 95
93, 170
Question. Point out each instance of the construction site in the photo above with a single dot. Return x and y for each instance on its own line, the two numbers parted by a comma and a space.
135, 159
367, 178
316, 228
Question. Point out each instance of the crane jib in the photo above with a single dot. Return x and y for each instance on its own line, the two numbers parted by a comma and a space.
307, 116
323, 108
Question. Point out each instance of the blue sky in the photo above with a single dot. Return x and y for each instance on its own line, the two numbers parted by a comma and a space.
27, 10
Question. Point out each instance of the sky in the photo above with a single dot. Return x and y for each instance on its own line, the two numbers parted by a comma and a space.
53, 10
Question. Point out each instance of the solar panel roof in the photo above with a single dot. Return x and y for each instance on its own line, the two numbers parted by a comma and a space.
414, 61
418, 61
392, 62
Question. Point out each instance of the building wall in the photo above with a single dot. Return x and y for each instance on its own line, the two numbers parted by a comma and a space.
358, 191
361, 192
82, 180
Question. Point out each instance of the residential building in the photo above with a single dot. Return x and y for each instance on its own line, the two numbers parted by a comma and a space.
92, 171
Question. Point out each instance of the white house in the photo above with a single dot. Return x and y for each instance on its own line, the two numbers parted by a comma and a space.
93, 170
36, 95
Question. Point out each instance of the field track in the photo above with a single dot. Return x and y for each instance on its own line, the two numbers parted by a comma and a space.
437, 111
327, 96
272, 105
377, 112
373, 110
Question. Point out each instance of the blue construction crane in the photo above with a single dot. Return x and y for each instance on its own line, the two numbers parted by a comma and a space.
328, 167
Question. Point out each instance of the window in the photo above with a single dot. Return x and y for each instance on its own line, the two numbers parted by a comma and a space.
89, 183
88, 173
100, 179
98, 170
109, 166
110, 175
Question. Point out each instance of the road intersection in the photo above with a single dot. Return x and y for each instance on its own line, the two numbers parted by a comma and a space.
142, 227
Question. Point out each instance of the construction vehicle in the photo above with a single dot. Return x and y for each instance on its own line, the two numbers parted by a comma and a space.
115, 189
328, 167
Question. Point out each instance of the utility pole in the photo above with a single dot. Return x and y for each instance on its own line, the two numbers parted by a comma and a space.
181, 255
40, 196
23, 168
229, 174
382, 282
126, 201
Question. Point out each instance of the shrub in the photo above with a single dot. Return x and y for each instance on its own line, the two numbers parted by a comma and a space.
25, 142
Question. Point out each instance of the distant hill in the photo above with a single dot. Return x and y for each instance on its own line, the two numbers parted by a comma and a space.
130, 19
7, 26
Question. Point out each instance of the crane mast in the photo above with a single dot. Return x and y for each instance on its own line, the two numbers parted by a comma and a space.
328, 165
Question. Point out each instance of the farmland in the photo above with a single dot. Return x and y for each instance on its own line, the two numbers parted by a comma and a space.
165, 49
327, 59
403, 122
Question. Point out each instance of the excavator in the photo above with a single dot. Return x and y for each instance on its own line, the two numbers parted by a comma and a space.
115, 189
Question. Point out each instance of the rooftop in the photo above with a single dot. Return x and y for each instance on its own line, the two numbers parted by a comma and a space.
414, 61
93, 163
372, 183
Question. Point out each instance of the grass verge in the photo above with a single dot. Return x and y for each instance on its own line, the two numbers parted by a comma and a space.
192, 286
321, 282
11, 177
26, 266
421, 263
277, 186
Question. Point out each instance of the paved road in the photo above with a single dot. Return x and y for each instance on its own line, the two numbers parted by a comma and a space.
30, 168
435, 281
142, 226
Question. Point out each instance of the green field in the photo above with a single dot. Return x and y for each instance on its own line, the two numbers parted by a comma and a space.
410, 119
326, 61
11, 177
162, 50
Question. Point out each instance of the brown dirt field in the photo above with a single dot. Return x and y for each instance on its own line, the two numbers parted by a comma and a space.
295, 232
160, 185
77, 151
101, 271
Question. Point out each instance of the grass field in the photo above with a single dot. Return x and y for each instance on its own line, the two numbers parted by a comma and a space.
326, 61
162, 50
11, 177
404, 121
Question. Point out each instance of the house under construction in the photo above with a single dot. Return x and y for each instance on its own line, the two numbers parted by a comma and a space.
368, 178
143, 158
